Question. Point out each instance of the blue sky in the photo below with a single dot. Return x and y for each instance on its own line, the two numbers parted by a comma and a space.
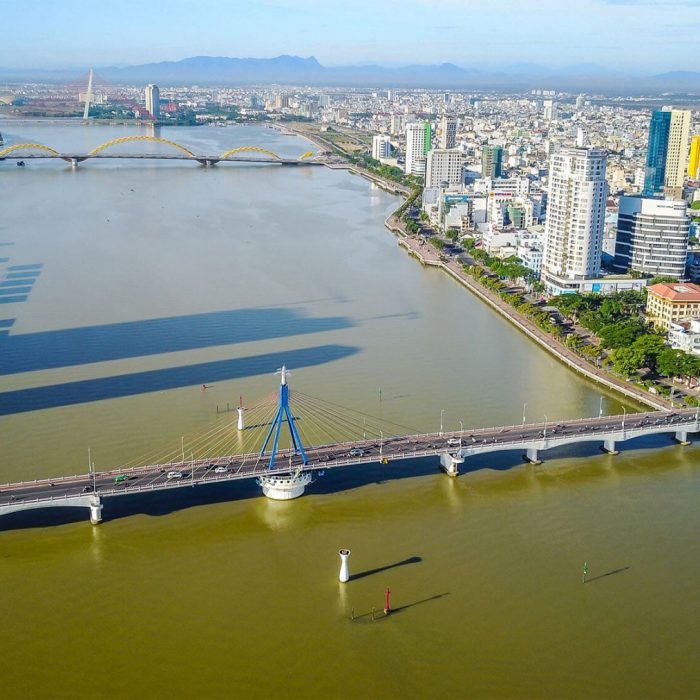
642, 35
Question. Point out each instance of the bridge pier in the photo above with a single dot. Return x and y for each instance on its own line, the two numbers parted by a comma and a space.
95, 510
531, 456
284, 487
681, 437
207, 162
609, 446
74, 162
449, 463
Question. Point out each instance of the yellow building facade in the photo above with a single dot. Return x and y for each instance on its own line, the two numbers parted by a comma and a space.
668, 303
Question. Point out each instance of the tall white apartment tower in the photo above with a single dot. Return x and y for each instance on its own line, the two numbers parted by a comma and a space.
153, 100
415, 149
448, 131
677, 153
381, 147
574, 227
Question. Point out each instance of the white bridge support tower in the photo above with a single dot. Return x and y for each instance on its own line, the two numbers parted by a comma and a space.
88, 99
285, 484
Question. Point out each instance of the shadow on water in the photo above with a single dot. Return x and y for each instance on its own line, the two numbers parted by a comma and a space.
379, 569
507, 459
87, 390
117, 341
156, 504
378, 614
610, 573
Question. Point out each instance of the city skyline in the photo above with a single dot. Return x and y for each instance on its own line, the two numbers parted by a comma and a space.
468, 33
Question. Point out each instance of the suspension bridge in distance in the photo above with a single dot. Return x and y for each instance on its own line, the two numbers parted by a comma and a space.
284, 466
22, 152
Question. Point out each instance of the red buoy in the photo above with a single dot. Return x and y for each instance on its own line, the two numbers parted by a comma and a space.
387, 607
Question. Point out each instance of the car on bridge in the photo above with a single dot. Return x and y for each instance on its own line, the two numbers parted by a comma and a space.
221, 470
174, 475
454, 442
356, 452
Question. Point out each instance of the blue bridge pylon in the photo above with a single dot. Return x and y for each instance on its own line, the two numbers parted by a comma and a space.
283, 414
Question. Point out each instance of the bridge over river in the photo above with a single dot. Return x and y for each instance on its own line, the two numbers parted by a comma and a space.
283, 473
22, 152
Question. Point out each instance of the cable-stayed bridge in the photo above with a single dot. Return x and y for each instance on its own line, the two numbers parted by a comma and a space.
289, 438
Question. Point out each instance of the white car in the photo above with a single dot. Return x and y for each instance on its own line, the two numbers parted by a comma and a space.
356, 452
454, 442
221, 470
174, 475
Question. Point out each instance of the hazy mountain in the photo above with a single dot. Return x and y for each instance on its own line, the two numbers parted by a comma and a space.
294, 70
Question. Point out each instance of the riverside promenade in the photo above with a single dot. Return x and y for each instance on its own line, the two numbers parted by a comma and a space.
430, 256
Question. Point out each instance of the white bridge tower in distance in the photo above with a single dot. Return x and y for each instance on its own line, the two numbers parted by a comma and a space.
88, 96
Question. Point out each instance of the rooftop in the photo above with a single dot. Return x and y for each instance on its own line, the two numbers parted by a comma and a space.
676, 292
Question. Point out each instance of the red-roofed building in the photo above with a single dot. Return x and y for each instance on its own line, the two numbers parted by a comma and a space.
668, 303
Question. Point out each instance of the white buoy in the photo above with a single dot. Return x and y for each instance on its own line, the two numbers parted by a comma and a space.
344, 575
241, 414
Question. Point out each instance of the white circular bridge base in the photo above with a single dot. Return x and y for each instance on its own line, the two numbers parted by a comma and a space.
284, 487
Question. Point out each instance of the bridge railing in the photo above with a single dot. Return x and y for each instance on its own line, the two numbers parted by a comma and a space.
682, 416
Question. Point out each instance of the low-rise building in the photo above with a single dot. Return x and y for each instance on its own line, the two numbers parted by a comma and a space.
669, 303
685, 335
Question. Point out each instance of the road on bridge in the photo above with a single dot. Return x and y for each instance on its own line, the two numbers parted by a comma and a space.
228, 468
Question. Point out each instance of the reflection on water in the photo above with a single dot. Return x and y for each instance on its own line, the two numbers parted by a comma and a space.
158, 277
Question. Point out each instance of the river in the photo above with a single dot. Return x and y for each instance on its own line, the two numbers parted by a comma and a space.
152, 278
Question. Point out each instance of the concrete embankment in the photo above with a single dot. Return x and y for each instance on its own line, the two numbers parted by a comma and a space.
427, 255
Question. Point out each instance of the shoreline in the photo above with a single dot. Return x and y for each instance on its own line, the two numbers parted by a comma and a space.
428, 256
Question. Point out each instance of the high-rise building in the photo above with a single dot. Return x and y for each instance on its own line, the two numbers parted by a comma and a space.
491, 161
153, 100
677, 157
667, 152
381, 147
396, 124
550, 111
575, 216
694, 160
657, 148
448, 132
417, 145
652, 236
580, 101
428, 138
444, 165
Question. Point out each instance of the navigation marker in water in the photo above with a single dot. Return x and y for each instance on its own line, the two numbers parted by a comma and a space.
241, 416
344, 575
585, 571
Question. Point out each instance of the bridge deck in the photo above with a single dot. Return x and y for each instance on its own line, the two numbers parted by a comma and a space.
159, 156
538, 436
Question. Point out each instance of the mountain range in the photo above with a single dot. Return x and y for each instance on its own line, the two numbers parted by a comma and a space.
294, 70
